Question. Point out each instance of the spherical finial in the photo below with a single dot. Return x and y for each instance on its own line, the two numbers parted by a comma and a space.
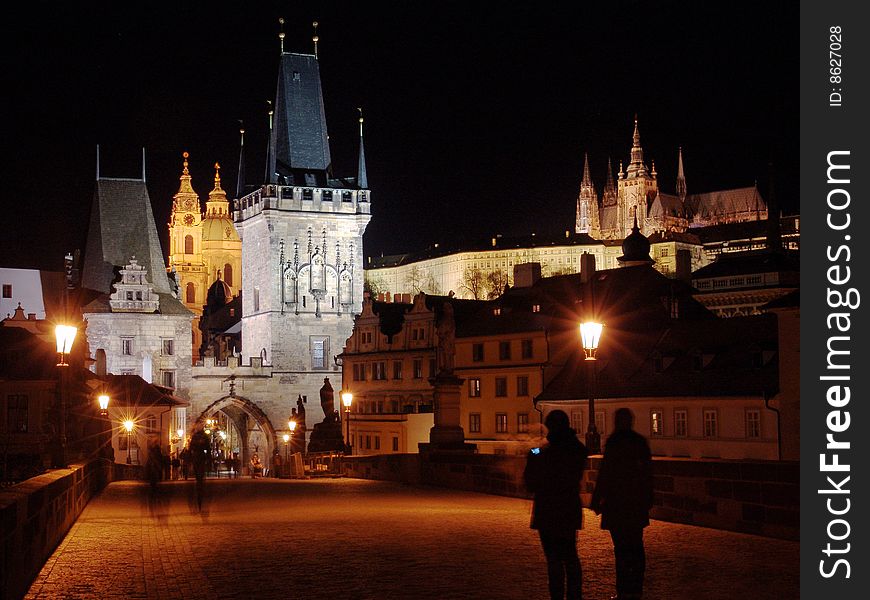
242, 131
315, 24
185, 155
281, 35
280, 20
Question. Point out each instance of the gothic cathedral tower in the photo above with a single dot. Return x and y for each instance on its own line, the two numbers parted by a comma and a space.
587, 205
636, 187
301, 232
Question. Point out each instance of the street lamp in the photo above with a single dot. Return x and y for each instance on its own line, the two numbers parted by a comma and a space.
286, 441
347, 400
590, 335
64, 335
128, 425
103, 399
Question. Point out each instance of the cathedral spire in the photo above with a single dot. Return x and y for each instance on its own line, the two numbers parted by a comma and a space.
240, 180
587, 177
636, 166
362, 178
217, 203
681, 178
609, 185
185, 187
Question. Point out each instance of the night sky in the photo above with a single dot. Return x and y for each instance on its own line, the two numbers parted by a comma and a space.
477, 114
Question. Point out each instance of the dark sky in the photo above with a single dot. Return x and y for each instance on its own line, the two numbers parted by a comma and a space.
477, 114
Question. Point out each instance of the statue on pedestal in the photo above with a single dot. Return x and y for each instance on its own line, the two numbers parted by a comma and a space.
446, 351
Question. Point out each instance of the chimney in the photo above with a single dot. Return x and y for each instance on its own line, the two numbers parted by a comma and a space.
100, 367
31, 316
684, 265
587, 267
526, 274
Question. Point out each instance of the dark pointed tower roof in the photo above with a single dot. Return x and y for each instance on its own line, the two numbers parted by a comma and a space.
362, 178
681, 178
587, 177
240, 180
121, 226
635, 249
299, 145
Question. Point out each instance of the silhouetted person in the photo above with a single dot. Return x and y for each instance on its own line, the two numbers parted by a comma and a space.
553, 473
623, 496
154, 464
200, 456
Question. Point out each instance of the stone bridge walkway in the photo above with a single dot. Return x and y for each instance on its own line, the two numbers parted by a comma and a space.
355, 539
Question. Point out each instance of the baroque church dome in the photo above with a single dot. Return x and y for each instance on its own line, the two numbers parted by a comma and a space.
219, 293
217, 226
635, 248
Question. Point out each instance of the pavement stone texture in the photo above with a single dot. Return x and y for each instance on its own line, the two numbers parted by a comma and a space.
359, 539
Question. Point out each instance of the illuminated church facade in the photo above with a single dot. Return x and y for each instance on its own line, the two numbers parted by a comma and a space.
635, 193
203, 247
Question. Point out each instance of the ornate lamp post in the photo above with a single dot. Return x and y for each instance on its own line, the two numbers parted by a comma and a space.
286, 441
347, 400
590, 334
64, 335
103, 400
128, 425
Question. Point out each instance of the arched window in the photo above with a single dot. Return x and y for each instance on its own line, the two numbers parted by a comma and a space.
190, 293
188, 244
228, 274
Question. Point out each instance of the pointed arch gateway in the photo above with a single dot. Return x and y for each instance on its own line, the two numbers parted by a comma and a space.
242, 412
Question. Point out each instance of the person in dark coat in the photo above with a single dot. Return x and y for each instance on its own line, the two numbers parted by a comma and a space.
553, 474
623, 496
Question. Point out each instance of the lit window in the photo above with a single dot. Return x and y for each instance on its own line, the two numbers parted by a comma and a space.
656, 424
397, 369
474, 423
577, 420
522, 422
501, 423
151, 424
474, 388
418, 368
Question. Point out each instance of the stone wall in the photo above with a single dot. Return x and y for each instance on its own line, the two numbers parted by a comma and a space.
759, 497
36, 514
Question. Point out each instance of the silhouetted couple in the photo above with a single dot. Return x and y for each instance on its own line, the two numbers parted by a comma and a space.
623, 495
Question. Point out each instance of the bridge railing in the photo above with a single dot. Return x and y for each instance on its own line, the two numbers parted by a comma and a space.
323, 463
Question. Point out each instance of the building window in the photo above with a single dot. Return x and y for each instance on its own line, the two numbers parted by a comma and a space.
474, 423
504, 350
168, 347
474, 388
600, 421
257, 299
711, 423
418, 368
577, 420
501, 425
379, 371
318, 353
656, 423
168, 379
527, 348
522, 385
16, 413
501, 387
753, 424
188, 244
151, 423
377, 442
368, 442
522, 422
433, 367
127, 346
7, 290
395, 444
681, 423
228, 274
536, 308
397, 369
477, 352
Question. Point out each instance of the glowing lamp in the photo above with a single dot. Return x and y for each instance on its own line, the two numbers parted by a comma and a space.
292, 425
590, 334
128, 425
103, 399
64, 335
286, 437
347, 399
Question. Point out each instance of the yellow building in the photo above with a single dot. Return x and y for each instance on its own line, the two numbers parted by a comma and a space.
202, 247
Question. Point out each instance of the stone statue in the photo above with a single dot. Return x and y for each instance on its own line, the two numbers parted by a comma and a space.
446, 340
300, 413
327, 399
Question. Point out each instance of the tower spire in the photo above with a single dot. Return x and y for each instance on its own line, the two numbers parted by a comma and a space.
587, 177
362, 179
240, 180
143, 163
281, 34
315, 38
681, 178
636, 166
98, 162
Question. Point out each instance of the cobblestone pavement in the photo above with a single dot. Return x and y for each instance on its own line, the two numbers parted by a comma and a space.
355, 539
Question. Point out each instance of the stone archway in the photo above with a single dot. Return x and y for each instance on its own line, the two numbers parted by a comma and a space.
240, 405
